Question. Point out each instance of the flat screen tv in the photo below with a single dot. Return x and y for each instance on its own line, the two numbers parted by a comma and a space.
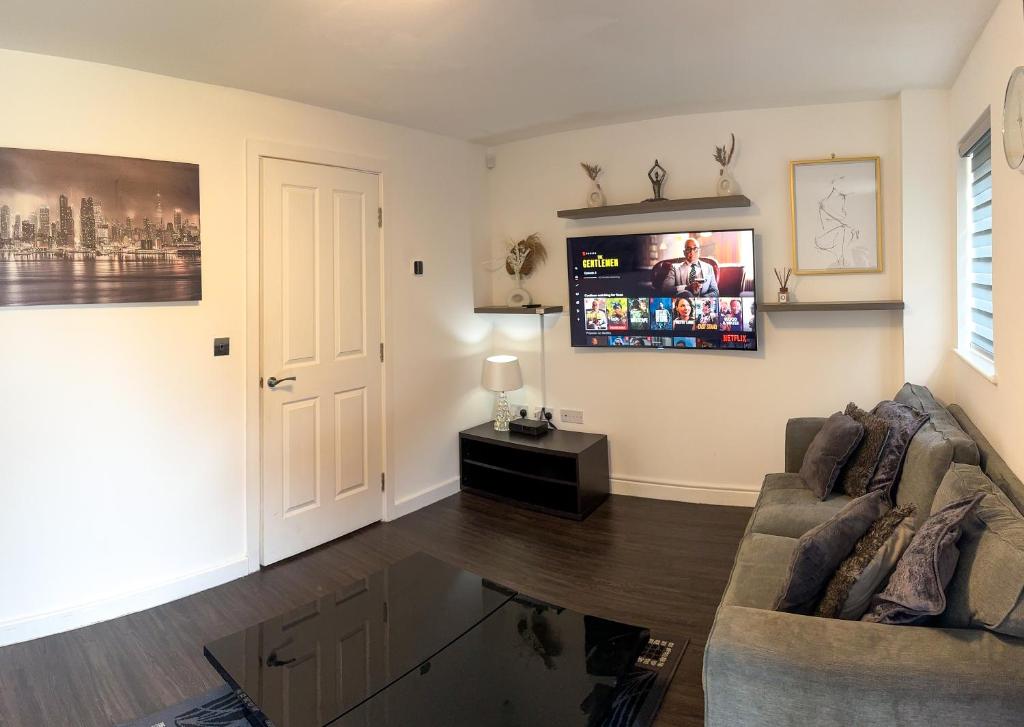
664, 290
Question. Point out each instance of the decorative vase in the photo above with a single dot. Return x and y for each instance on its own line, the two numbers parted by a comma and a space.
727, 183
783, 295
596, 196
518, 296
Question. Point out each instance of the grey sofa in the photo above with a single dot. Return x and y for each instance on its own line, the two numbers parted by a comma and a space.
763, 667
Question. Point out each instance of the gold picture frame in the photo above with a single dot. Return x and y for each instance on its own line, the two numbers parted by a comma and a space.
830, 214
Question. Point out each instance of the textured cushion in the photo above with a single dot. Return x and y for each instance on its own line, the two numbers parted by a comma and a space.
863, 573
820, 551
903, 421
964, 447
990, 460
857, 472
917, 588
828, 452
760, 568
987, 589
786, 508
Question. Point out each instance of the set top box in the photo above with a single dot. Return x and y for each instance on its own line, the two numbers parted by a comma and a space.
531, 427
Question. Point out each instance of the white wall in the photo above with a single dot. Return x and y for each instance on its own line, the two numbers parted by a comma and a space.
703, 425
998, 408
928, 219
122, 439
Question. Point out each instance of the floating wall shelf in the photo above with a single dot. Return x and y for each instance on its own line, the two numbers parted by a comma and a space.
518, 310
666, 205
841, 305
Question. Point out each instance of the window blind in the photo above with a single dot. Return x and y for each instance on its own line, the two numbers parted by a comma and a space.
979, 249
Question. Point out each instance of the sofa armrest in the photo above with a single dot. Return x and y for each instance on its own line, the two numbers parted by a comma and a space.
766, 667
799, 433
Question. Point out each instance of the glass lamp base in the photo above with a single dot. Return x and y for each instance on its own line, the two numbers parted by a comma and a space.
502, 413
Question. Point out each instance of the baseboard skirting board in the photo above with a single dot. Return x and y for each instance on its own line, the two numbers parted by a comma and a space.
703, 493
426, 496
25, 628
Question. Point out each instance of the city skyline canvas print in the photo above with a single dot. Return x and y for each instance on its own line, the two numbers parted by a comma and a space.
95, 229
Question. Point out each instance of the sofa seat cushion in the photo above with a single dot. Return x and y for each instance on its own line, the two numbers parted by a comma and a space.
788, 509
759, 571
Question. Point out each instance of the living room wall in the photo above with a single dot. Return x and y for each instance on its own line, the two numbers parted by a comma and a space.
997, 407
700, 425
122, 438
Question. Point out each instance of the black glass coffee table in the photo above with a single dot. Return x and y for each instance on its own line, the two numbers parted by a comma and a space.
424, 643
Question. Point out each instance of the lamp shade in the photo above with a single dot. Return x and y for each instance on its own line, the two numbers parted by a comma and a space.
501, 373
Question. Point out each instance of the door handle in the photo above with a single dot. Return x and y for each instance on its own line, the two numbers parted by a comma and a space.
272, 382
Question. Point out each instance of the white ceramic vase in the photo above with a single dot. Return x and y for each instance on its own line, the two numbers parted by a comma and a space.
596, 196
727, 185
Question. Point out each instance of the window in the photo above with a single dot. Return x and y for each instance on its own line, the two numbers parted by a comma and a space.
976, 335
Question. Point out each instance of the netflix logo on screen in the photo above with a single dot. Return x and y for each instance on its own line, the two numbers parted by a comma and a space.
674, 290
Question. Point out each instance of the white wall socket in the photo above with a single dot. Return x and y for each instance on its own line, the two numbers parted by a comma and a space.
570, 416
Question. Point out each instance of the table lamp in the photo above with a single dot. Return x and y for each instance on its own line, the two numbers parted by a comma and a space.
501, 374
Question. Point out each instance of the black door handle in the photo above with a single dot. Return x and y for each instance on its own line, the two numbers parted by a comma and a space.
272, 382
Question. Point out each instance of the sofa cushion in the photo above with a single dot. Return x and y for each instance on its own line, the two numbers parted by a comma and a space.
786, 508
928, 458
864, 572
993, 464
917, 588
819, 551
828, 452
904, 422
861, 466
987, 589
920, 397
759, 570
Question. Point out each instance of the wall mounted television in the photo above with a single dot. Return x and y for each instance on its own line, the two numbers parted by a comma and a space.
664, 290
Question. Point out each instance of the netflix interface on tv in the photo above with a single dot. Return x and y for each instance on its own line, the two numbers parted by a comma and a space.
664, 290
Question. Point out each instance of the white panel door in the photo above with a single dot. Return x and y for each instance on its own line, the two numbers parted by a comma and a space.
322, 449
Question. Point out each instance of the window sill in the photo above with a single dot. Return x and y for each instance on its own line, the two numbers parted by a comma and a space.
983, 367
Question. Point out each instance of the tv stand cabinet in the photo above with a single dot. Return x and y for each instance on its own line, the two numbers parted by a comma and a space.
562, 473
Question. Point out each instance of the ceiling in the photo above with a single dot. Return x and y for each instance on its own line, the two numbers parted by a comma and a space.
497, 70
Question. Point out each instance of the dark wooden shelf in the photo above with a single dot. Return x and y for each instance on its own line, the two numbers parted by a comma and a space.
836, 305
562, 473
666, 205
518, 310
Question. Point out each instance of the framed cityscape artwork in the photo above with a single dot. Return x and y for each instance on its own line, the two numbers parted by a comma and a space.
86, 228
837, 215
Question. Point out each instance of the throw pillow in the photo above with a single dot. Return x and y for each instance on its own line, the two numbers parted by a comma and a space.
917, 588
903, 421
855, 476
828, 452
987, 589
821, 549
862, 574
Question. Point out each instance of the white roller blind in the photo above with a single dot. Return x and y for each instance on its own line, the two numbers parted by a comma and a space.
979, 249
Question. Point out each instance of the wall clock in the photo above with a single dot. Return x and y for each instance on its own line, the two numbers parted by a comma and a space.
1013, 119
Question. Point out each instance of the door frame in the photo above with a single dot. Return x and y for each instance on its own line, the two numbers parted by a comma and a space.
255, 151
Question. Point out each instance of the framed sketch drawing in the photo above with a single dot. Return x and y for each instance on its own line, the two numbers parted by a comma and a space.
837, 215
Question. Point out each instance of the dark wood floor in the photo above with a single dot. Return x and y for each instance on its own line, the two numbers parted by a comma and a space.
654, 563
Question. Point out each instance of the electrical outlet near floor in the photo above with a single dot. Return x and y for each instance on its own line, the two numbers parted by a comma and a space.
570, 416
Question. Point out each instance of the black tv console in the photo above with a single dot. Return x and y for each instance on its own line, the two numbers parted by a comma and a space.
562, 473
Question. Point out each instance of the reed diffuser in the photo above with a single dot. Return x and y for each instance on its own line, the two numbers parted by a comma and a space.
783, 277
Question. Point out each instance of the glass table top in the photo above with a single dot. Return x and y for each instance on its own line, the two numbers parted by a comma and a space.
528, 664
306, 667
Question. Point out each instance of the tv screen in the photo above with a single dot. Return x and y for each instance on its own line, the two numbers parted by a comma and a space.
664, 290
